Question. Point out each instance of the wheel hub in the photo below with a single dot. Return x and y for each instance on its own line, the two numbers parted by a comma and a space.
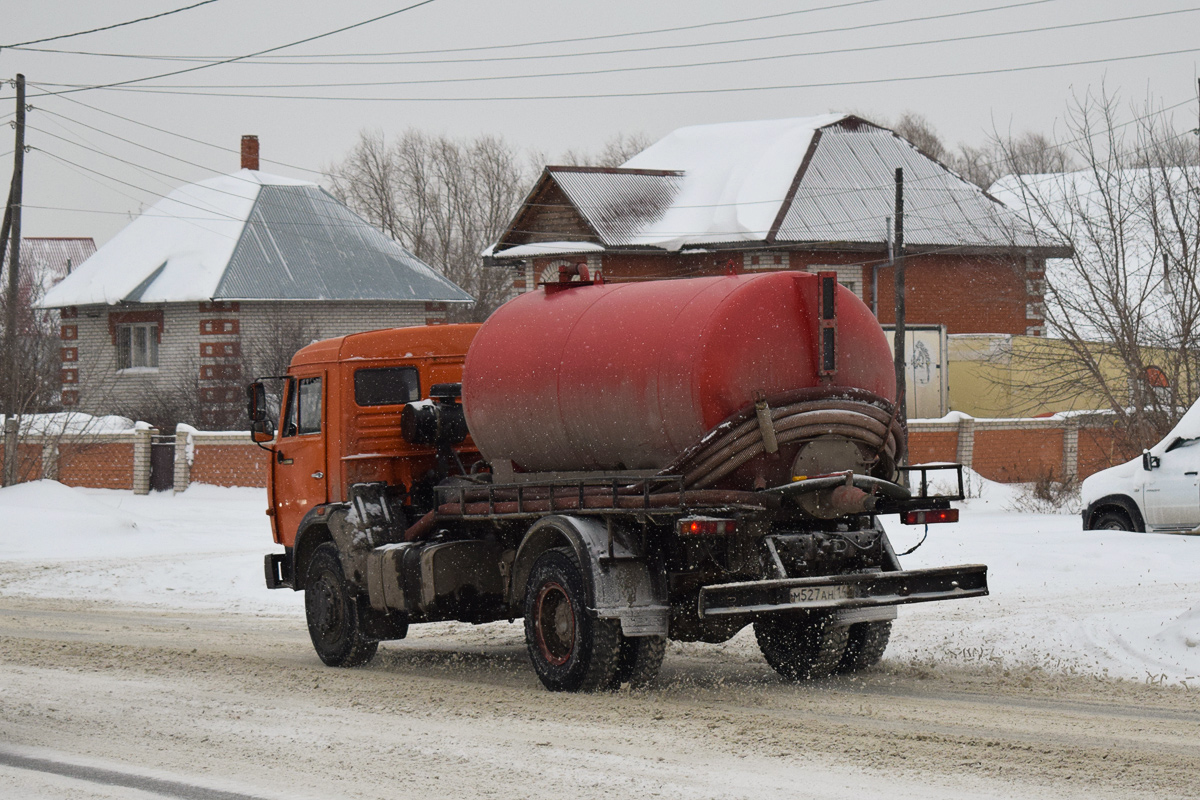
554, 624
327, 608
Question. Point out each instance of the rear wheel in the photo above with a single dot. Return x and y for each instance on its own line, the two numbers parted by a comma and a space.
865, 643
639, 661
331, 606
801, 647
571, 650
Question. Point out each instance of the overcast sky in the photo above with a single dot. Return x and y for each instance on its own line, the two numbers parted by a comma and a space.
82, 180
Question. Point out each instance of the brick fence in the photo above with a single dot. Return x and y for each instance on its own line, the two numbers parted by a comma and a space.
1021, 450
1005, 450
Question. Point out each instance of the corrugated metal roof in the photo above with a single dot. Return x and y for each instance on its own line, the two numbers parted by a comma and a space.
50, 259
300, 243
619, 204
847, 193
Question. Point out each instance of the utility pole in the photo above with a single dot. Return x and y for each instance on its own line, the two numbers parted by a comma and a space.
899, 344
12, 219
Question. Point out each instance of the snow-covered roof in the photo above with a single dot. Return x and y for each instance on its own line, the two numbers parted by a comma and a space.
738, 176
250, 236
826, 179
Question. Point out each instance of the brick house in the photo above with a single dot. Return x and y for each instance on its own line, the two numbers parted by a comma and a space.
222, 278
812, 193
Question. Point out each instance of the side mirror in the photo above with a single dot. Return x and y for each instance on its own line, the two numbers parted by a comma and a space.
261, 429
1149, 462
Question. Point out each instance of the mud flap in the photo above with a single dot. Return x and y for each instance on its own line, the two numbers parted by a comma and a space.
620, 585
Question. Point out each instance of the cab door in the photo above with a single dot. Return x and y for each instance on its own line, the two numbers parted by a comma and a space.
300, 482
1172, 489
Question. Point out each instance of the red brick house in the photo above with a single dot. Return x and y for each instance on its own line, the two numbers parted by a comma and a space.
813, 193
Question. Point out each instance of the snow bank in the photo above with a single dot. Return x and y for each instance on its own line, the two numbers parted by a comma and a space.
202, 548
1111, 603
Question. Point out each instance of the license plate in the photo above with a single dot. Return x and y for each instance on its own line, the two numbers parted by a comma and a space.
820, 594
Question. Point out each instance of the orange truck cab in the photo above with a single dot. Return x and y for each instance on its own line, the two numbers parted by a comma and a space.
340, 425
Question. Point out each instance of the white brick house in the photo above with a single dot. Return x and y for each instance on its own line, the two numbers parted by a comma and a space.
220, 278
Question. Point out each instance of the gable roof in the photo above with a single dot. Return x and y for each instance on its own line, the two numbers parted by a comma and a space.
251, 236
826, 180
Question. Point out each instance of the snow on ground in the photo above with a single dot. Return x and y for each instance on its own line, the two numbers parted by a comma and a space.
202, 548
1063, 599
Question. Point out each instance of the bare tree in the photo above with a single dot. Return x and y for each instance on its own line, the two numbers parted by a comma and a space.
917, 129
34, 385
1126, 307
613, 153
282, 332
444, 199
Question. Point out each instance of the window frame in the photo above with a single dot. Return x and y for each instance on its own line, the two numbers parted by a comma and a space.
302, 425
416, 385
126, 334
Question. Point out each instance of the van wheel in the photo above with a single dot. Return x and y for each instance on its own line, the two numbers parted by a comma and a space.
1113, 520
639, 661
801, 647
331, 607
865, 643
571, 650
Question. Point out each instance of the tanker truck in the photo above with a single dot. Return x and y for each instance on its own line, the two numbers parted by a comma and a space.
616, 465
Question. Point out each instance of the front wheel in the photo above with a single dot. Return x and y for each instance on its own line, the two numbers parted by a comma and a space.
331, 606
571, 650
1113, 520
801, 647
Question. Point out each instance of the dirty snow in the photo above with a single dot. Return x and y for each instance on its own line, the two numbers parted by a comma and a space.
1115, 603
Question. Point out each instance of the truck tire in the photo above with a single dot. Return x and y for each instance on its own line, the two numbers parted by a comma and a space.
571, 650
801, 647
331, 607
865, 644
639, 661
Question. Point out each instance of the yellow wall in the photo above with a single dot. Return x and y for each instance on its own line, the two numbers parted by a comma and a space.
1019, 376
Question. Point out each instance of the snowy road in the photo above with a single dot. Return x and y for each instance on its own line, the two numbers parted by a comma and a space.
240, 704
139, 649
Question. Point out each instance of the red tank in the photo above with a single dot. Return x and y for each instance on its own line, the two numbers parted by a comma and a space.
629, 375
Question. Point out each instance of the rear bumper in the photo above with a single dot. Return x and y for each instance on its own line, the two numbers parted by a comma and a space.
860, 590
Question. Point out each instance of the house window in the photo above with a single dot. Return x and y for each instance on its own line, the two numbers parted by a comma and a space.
137, 346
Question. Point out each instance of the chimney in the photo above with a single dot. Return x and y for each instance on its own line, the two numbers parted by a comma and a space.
250, 152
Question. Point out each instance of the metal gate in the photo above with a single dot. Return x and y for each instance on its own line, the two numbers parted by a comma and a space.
162, 463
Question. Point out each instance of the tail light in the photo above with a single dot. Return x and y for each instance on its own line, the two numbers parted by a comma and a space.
929, 516
706, 526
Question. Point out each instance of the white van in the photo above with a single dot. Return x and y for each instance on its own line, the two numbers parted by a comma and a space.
1159, 492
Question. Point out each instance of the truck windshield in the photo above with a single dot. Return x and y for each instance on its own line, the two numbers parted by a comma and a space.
385, 386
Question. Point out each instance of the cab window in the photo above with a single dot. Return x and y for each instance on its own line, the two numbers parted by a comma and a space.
386, 386
308, 406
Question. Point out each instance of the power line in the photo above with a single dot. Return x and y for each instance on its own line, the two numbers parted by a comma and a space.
343, 29
657, 67
173, 133
655, 48
572, 40
658, 93
108, 27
